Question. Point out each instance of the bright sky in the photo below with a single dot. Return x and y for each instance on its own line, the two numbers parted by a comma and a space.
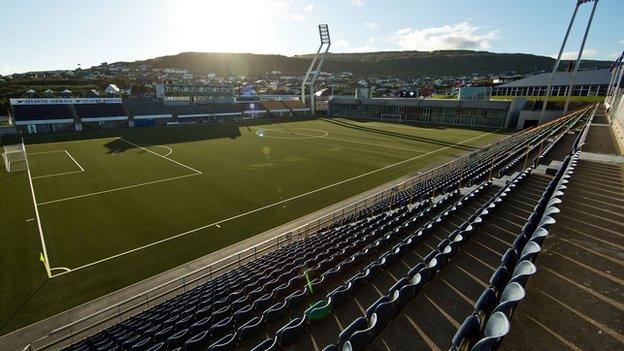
47, 34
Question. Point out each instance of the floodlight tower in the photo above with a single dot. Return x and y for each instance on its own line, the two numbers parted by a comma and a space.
315, 66
563, 44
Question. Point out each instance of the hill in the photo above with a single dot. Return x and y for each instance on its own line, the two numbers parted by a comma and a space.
392, 63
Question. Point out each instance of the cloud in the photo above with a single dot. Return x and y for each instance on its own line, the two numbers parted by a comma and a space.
571, 55
357, 2
281, 5
462, 35
6, 70
372, 25
284, 10
297, 16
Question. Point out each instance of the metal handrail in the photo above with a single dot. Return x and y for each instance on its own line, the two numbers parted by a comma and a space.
144, 299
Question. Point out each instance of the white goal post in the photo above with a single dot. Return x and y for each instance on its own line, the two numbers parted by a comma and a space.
14, 158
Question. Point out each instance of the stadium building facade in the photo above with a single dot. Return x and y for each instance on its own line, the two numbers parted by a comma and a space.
477, 113
31, 116
586, 83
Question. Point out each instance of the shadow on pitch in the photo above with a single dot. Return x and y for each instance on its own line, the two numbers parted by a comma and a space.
19, 309
159, 135
349, 124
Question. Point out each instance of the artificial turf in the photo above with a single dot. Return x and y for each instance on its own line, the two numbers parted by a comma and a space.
123, 199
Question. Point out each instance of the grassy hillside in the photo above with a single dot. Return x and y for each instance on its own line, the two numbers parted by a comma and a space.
394, 63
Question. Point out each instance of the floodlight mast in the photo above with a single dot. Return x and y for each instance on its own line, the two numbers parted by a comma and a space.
563, 44
578, 58
315, 66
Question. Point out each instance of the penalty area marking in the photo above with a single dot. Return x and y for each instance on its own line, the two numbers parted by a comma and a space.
268, 206
159, 155
61, 173
195, 173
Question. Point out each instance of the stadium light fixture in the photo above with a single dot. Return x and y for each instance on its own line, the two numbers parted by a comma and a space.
315, 66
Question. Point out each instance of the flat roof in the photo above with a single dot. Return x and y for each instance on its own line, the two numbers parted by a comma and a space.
593, 77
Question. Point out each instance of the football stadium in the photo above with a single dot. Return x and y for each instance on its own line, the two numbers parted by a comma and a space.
199, 219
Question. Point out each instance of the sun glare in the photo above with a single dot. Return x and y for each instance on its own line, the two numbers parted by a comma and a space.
222, 26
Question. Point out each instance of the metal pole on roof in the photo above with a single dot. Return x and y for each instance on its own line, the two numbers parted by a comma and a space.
554, 70
578, 58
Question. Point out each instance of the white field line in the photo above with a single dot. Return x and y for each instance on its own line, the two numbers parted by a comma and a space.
267, 206
34, 198
73, 159
166, 147
118, 189
326, 136
46, 152
61, 173
130, 186
159, 155
61, 268
56, 174
376, 145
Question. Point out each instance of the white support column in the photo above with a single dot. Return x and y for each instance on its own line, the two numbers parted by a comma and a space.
554, 70
578, 58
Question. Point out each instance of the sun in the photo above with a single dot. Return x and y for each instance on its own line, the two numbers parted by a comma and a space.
222, 26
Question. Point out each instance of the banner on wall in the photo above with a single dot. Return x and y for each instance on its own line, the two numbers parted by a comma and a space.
68, 101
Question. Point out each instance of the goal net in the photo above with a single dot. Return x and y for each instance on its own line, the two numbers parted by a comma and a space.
14, 158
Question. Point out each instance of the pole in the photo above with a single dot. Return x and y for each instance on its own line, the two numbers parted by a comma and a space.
578, 58
554, 70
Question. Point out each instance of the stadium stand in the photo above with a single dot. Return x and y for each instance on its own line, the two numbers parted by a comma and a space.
276, 108
38, 112
48, 118
192, 113
400, 274
100, 112
297, 107
148, 112
99, 116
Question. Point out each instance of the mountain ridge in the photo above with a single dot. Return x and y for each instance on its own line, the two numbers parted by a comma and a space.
380, 63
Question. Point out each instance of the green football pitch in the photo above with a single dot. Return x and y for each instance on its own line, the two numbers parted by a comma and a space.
118, 206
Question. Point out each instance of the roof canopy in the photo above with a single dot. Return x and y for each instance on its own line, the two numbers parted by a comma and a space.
594, 77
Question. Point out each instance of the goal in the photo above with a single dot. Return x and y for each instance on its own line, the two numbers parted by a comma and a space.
14, 158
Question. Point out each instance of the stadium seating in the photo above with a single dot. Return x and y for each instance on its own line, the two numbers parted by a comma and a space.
87, 111
383, 261
147, 108
39, 112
